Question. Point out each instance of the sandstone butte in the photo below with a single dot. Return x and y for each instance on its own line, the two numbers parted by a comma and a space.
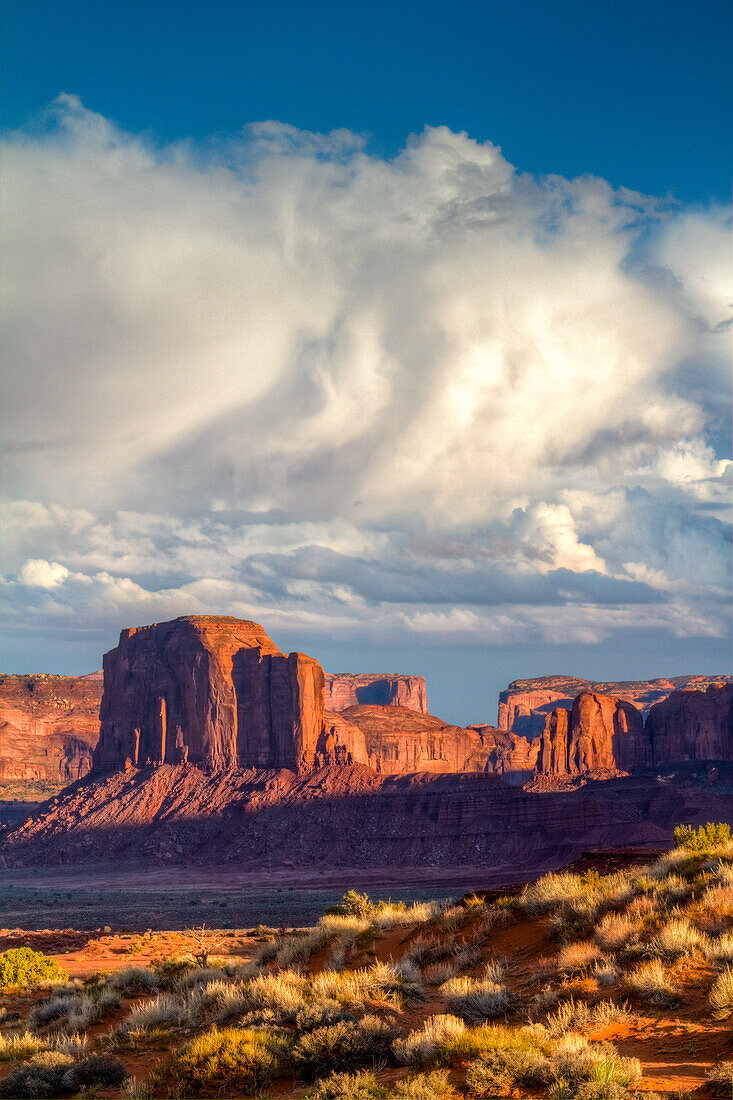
346, 689
217, 692
216, 747
524, 704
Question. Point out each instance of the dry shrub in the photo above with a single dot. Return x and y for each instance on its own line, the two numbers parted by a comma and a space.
677, 939
721, 995
475, 999
552, 890
720, 1080
239, 1059
615, 931
650, 982
347, 1045
576, 957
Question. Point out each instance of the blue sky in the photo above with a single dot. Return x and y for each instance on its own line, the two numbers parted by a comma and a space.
403, 329
636, 92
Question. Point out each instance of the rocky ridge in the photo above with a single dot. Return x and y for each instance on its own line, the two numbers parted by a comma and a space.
352, 817
48, 727
524, 704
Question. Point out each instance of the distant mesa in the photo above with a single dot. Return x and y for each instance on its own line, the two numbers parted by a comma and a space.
215, 745
217, 692
346, 689
524, 704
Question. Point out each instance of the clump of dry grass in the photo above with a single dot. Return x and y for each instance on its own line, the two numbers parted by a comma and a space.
15, 1048
551, 891
299, 949
476, 999
650, 982
721, 948
675, 939
721, 995
422, 1047
163, 1011
720, 1080
574, 1016
133, 980
574, 958
615, 931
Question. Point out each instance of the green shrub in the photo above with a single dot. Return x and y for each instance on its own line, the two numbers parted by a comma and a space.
705, 838
21, 966
238, 1059
353, 904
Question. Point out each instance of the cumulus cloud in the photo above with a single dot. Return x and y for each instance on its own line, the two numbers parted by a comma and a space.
43, 574
281, 377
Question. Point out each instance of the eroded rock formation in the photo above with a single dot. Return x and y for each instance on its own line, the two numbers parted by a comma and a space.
49, 726
346, 689
217, 692
352, 817
209, 690
692, 725
524, 704
601, 735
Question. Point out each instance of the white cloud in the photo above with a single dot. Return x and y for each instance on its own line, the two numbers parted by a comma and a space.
43, 574
284, 378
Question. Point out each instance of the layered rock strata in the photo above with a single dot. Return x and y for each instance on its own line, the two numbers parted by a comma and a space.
598, 735
211, 690
603, 735
352, 817
346, 689
49, 726
524, 704
692, 725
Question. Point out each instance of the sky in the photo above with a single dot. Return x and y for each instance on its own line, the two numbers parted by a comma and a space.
403, 330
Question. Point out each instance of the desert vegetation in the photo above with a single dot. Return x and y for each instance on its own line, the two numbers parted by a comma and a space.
571, 988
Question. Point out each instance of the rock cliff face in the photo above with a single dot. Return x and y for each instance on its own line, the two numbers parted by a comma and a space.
601, 735
214, 691
346, 689
49, 726
352, 817
218, 693
524, 705
692, 725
